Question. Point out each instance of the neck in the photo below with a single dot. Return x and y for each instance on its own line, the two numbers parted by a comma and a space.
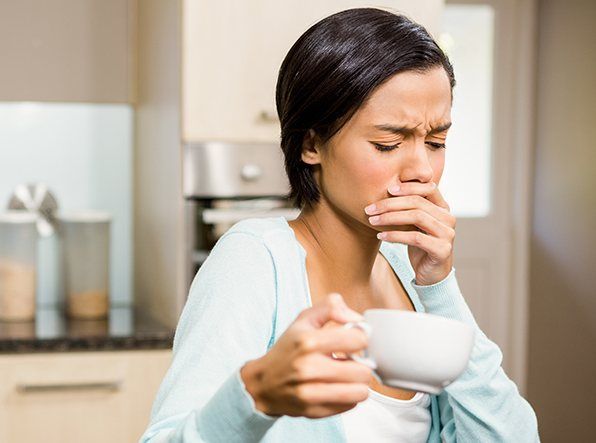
343, 250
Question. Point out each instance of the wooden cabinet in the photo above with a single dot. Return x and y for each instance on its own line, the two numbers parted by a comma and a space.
232, 52
67, 50
78, 397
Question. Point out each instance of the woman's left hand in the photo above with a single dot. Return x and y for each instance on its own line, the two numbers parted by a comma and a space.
430, 248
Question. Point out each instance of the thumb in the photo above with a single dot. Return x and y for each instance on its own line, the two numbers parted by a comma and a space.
332, 308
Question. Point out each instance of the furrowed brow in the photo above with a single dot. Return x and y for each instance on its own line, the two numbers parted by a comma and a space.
441, 128
399, 130
408, 130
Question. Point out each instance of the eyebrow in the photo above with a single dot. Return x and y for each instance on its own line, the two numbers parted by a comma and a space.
406, 130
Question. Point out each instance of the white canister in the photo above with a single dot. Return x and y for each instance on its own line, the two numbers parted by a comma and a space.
18, 265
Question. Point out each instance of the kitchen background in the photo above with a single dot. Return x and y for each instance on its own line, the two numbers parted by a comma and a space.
119, 105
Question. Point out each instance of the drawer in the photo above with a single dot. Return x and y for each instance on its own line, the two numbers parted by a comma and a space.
78, 397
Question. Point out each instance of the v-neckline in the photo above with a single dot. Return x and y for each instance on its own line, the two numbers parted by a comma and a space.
399, 269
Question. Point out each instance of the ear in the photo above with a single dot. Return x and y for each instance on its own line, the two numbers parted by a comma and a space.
310, 149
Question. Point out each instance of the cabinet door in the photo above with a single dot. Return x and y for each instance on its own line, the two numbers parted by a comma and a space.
78, 397
232, 52
67, 50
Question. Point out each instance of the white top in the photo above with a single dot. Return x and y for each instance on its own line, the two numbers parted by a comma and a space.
381, 419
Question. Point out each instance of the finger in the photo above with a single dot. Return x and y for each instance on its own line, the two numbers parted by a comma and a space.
416, 217
437, 249
437, 198
428, 190
337, 393
320, 368
412, 188
330, 340
333, 308
411, 202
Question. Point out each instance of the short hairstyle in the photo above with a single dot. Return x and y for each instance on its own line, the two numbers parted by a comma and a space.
330, 72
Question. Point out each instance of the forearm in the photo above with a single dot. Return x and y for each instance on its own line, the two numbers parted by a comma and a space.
483, 404
229, 416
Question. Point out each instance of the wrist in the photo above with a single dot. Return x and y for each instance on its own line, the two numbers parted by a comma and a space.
252, 374
426, 283
435, 276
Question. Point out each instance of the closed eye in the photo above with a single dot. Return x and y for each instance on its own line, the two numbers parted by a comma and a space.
385, 148
436, 145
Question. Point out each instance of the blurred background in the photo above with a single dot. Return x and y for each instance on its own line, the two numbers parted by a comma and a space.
133, 133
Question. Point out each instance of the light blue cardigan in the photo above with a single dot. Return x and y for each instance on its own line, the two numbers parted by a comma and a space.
250, 289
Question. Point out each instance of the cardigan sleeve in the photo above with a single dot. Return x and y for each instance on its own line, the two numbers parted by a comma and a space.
227, 320
483, 404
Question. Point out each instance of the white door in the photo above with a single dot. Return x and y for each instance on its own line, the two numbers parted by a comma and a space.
486, 179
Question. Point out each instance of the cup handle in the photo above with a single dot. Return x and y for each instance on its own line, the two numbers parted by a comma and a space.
367, 360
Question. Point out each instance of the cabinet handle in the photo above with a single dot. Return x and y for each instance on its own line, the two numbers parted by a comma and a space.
63, 387
268, 117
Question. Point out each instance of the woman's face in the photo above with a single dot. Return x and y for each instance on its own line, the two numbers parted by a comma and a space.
396, 136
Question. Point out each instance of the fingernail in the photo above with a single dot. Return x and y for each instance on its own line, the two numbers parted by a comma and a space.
370, 209
382, 235
433, 184
374, 220
394, 189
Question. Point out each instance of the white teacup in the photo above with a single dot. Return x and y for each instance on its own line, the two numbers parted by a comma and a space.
414, 350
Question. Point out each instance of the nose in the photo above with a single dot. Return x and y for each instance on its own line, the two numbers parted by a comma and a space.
415, 165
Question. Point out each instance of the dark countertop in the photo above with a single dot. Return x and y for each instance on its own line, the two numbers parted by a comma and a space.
125, 329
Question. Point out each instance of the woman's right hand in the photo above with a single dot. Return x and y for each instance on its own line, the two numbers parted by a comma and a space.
299, 377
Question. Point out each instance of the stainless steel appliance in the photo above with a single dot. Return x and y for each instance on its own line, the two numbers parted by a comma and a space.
224, 183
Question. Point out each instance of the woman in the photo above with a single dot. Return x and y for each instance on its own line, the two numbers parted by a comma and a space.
364, 99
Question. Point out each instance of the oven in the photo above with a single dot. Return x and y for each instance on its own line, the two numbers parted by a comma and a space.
224, 183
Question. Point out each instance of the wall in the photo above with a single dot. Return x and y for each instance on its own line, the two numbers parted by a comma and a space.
159, 250
562, 349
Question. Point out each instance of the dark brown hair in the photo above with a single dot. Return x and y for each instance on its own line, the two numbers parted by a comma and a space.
333, 68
